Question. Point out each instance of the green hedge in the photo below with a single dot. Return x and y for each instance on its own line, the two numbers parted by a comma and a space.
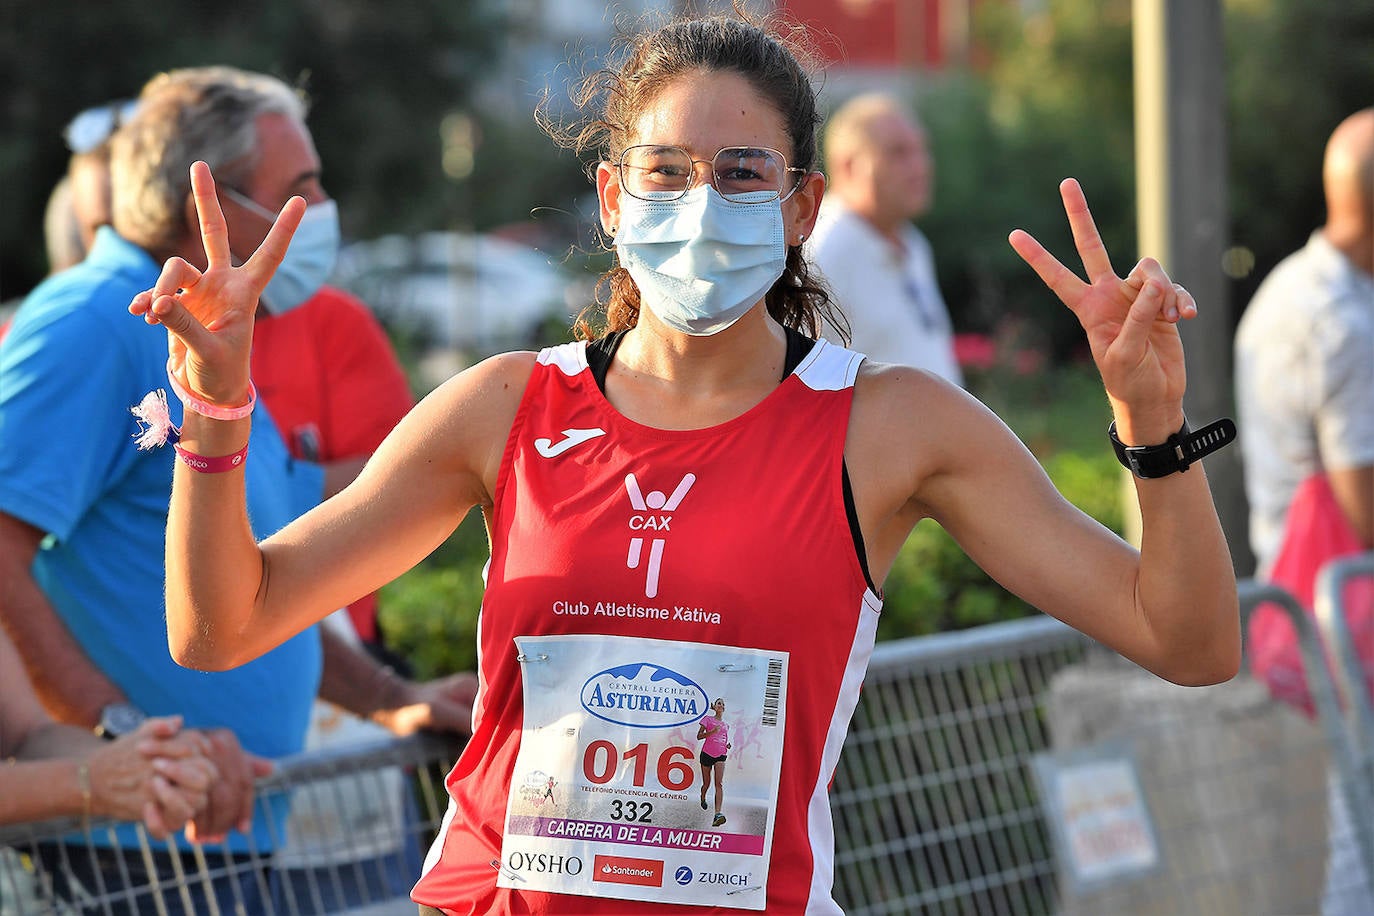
429, 616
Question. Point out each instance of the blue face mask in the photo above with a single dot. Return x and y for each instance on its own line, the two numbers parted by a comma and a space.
701, 261
309, 258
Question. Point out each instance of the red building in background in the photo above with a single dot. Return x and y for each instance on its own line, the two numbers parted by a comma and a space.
877, 35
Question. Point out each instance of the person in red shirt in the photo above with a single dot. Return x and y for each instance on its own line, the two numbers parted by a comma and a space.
335, 388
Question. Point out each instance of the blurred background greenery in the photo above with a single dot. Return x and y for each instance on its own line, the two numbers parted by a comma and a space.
396, 89
423, 115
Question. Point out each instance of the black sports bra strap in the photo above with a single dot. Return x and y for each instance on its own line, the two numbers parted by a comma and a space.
798, 346
599, 353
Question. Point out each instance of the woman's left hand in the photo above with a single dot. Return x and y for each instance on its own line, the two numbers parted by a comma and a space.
1130, 322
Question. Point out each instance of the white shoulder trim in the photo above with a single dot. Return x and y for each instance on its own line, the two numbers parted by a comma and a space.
570, 358
829, 367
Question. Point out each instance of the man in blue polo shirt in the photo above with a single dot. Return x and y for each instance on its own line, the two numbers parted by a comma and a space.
83, 511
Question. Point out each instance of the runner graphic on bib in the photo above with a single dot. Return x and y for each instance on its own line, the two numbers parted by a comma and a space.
610, 730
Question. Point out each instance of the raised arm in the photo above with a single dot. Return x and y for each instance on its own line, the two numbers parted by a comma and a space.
230, 599
1171, 606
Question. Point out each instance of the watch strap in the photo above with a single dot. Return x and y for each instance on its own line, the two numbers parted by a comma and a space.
1176, 453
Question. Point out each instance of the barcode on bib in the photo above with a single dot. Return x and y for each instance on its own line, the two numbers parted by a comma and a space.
772, 692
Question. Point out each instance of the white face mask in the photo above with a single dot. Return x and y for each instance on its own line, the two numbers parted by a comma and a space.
701, 261
309, 258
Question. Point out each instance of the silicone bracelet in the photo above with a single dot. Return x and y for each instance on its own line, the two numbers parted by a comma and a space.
206, 409
211, 465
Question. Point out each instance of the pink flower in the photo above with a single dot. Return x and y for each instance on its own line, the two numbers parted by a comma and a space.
975, 351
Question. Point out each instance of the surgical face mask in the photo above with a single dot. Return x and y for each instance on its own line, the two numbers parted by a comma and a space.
701, 261
309, 258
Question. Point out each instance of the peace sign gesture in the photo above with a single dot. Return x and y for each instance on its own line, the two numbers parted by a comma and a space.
209, 314
1130, 322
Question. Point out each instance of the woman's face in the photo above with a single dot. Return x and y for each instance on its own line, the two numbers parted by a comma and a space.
719, 708
702, 112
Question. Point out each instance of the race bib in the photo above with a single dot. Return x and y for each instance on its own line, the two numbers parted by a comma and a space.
606, 795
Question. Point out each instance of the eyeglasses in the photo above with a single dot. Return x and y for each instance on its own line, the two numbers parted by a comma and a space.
744, 174
94, 126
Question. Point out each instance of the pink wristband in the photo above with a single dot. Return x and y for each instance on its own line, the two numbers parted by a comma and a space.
206, 409
211, 465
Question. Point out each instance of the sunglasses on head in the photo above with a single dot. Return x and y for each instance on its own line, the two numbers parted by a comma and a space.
94, 126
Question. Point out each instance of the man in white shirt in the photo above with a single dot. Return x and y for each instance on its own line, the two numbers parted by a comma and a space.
1305, 356
1305, 398
878, 264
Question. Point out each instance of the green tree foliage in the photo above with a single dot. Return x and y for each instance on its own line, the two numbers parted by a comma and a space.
1295, 69
1054, 98
381, 77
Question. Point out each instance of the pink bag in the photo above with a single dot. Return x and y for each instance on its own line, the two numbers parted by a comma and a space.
1315, 533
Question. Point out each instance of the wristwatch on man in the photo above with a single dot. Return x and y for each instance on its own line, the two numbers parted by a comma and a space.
119, 719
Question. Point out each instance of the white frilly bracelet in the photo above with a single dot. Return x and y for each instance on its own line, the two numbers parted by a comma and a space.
155, 420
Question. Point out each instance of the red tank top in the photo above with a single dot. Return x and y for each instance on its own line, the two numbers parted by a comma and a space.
735, 535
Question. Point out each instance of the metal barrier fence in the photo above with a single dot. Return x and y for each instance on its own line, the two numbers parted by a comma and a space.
361, 819
1354, 748
934, 807
1022, 768
972, 782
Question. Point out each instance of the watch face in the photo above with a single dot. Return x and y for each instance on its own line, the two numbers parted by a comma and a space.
120, 719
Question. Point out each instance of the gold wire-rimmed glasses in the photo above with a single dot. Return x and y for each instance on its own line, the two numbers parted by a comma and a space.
743, 174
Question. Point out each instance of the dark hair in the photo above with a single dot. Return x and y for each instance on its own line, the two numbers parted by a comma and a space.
649, 61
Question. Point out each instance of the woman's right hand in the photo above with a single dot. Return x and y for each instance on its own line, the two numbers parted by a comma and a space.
158, 774
209, 314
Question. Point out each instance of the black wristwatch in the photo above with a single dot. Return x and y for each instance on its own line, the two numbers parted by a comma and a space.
1176, 453
119, 719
